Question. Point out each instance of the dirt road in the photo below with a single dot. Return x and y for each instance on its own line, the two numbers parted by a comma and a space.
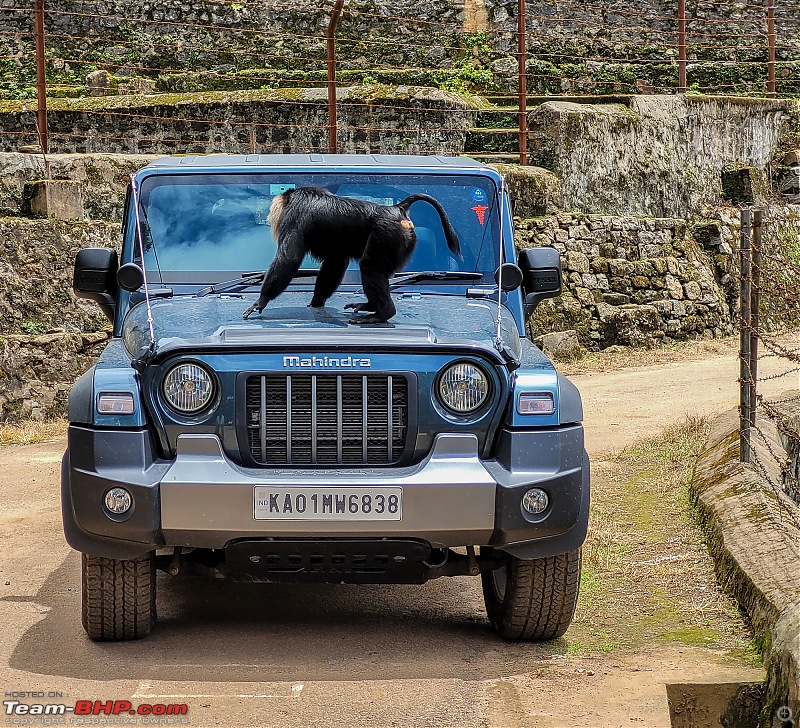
241, 654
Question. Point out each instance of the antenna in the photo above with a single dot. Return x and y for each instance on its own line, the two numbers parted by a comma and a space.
498, 342
135, 196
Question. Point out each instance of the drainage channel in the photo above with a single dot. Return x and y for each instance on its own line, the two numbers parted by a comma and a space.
719, 705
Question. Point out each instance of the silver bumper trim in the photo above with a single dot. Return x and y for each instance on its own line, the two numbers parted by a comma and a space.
207, 500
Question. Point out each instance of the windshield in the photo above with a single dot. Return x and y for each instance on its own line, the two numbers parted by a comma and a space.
206, 228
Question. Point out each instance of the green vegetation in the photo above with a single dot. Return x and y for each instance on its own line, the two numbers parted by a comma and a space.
648, 579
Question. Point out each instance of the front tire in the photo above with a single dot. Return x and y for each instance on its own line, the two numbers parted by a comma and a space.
533, 600
119, 597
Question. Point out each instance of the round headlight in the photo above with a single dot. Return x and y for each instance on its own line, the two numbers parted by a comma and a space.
188, 388
463, 387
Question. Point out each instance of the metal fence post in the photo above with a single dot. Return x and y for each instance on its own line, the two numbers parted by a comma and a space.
522, 59
744, 340
771, 48
755, 300
331, 38
682, 46
41, 81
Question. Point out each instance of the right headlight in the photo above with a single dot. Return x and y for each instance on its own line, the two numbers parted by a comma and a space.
189, 388
463, 387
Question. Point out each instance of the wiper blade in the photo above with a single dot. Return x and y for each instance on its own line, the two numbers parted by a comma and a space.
248, 279
433, 275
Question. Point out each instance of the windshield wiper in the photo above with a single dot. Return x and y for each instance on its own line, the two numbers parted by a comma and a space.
433, 275
248, 279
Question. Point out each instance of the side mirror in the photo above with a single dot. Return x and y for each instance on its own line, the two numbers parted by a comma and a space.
95, 278
541, 275
511, 277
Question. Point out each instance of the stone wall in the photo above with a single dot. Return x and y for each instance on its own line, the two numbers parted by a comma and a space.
659, 156
36, 262
104, 179
36, 372
372, 118
631, 281
574, 48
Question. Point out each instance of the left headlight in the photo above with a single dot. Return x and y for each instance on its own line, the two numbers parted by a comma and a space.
463, 387
189, 388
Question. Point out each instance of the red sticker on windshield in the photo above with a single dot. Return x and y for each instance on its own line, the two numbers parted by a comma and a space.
480, 211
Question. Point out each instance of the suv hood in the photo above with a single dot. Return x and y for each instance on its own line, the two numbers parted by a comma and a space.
217, 321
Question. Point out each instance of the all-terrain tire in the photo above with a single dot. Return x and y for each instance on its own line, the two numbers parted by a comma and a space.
533, 600
119, 597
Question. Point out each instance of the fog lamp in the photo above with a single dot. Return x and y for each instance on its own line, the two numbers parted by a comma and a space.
118, 501
535, 501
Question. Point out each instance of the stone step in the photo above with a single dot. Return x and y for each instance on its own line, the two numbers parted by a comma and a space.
506, 117
488, 140
511, 100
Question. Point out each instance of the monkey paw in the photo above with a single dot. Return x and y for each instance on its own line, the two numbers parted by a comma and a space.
368, 319
252, 309
359, 307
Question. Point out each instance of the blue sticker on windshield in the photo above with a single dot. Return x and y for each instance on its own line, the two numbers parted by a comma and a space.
279, 189
478, 195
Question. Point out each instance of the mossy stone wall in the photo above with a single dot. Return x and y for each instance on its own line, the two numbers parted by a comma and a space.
371, 119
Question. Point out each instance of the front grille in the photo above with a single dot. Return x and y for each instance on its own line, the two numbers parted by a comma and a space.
302, 419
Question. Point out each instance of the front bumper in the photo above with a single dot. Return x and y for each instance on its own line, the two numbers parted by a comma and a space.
201, 499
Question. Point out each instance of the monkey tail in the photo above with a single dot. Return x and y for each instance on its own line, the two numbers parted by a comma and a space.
449, 231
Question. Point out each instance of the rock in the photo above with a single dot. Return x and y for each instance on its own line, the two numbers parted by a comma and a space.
534, 191
560, 344
692, 290
584, 295
616, 299
577, 262
673, 286
58, 198
137, 85
505, 65
638, 326
98, 83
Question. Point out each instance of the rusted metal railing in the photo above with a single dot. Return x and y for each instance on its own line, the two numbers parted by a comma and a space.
682, 46
755, 301
41, 82
745, 324
771, 48
331, 38
522, 54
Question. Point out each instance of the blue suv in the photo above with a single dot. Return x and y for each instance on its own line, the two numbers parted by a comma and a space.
295, 446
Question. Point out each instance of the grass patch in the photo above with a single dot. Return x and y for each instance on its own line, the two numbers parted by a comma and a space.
648, 579
31, 431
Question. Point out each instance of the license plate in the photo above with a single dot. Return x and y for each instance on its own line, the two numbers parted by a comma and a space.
273, 503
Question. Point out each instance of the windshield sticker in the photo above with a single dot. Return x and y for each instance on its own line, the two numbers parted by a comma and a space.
478, 195
480, 211
280, 189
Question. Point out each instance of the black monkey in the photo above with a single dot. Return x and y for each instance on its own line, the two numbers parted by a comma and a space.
336, 230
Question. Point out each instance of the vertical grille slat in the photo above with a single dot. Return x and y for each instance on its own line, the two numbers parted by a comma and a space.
327, 419
339, 415
364, 419
263, 420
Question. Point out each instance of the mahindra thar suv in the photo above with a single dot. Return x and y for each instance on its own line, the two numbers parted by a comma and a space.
295, 446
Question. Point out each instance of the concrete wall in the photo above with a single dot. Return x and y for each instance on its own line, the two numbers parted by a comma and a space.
660, 156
